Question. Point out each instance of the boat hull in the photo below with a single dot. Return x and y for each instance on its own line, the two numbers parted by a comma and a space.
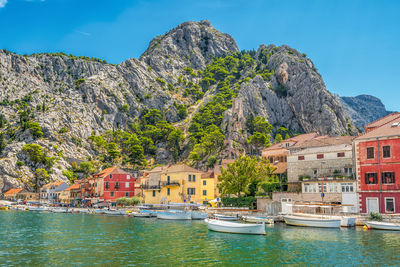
198, 215
174, 215
226, 217
235, 228
255, 219
348, 221
312, 222
143, 215
383, 226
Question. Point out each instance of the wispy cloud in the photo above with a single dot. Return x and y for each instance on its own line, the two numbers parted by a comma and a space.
3, 3
83, 33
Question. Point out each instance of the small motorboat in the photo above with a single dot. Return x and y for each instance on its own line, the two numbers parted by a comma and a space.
151, 212
383, 225
59, 210
227, 217
312, 221
348, 221
258, 219
36, 208
174, 215
235, 228
142, 214
197, 215
115, 212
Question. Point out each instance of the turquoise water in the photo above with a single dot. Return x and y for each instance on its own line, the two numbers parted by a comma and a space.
32, 239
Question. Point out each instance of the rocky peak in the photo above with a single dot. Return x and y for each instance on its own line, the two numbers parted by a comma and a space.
190, 44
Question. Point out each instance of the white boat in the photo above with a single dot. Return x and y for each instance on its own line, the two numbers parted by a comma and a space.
236, 228
151, 212
174, 215
142, 214
348, 221
258, 219
227, 217
312, 221
115, 212
35, 208
197, 215
383, 225
59, 210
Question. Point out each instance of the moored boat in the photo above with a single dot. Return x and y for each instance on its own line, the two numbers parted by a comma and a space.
142, 214
60, 210
151, 212
174, 215
226, 217
312, 221
258, 219
197, 215
36, 208
383, 225
235, 227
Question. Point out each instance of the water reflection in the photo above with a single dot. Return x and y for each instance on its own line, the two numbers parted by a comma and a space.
28, 238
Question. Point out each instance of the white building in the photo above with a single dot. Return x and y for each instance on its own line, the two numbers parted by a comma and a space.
50, 193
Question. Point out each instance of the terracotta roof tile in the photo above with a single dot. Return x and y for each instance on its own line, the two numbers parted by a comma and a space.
13, 191
74, 186
383, 120
327, 141
180, 168
384, 130
112, 170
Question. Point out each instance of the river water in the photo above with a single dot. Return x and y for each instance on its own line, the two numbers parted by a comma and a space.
48, 239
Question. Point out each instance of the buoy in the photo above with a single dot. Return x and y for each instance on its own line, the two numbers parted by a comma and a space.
365, 227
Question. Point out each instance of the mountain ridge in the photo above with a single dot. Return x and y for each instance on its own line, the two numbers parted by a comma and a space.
78, 109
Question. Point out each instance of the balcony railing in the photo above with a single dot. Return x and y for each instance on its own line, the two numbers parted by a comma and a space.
168, 183
336, 176
146, 186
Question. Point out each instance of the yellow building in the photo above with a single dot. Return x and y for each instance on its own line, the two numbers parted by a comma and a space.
174, 183
208, 186
181, 184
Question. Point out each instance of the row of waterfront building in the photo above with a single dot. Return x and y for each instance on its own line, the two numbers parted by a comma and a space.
361, 172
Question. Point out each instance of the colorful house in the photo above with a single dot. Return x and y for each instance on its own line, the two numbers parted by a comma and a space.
181, 184
50, 192
208, 187
110, 184
277, 155
12, 193
378, 165
150, 184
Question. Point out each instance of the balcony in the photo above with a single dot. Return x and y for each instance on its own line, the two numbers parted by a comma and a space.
329, 177
146, 186
171, 183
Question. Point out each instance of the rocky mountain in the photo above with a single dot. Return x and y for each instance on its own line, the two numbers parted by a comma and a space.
190, 88
363, 109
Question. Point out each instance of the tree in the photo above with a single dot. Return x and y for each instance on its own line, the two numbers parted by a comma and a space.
40, 176
87, 168
152, 116
135, 150
278, 138
247, 175
3, 120
3, 142
287, 136
175, 142
210, 144
35, 129
112, 151
35, 152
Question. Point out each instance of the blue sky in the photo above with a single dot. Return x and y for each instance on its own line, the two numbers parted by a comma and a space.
354, 44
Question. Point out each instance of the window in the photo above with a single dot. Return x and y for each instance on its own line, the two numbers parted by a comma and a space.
191, 191
154, 193
204, 182
332, 187
168, 179
386, 151
320, 156
347, 187
107, 185
204, 192
300, 158
168, 191
271, 159
371, 178
370, 153
340, 154
110, 176
111, 194
126, 184
320, 187
388, 178
389, 204
190, 178
193, 178
128, 177
117, 185
127, 194
307, 188
348, 171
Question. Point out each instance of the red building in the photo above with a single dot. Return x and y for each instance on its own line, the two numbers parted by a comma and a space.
109, 184
378, 165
